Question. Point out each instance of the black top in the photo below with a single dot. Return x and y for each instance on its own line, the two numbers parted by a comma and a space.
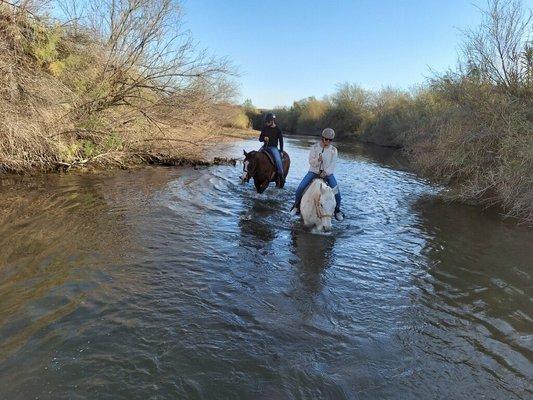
274, 135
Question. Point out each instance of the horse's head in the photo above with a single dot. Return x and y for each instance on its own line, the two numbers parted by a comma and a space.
325, 207
248, 166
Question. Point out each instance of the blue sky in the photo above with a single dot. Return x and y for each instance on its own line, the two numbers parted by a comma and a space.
288, 50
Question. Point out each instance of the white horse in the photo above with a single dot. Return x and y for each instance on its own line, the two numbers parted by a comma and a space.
317, 206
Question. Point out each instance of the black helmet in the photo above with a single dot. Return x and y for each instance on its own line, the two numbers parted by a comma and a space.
270, 117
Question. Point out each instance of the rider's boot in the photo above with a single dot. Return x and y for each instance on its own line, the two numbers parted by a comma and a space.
294, 210
339, 215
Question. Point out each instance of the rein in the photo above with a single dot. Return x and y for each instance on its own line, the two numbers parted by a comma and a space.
319, 212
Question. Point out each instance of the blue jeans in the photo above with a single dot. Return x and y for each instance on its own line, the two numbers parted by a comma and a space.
306, 181
276, 155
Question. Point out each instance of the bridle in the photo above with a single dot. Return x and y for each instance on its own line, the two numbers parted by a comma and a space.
320, 210
245, 169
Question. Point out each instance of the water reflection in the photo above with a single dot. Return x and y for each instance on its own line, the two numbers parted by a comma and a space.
176, 283
355, 150
314, 251
256, 221
476, 263
58, 234
314, 255
477, 269
383, 156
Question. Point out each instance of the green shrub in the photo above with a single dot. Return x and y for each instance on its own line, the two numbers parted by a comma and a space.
113, 142
88, 148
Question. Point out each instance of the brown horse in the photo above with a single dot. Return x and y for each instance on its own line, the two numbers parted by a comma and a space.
257, 165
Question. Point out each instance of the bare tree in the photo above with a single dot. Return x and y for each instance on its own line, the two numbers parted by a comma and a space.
26, 6
150, 61
500, 50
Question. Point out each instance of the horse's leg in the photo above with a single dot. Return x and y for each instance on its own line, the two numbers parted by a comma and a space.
257, 186
286, 166
276, 179
263, 186
285, 172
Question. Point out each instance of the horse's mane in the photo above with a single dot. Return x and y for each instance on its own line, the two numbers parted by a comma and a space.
321, 182
251, 154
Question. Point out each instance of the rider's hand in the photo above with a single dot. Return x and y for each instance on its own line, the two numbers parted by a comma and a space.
267, 139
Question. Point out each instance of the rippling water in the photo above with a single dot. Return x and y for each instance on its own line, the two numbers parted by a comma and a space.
181, 283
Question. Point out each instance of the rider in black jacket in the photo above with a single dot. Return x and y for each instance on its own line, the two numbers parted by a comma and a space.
271, 135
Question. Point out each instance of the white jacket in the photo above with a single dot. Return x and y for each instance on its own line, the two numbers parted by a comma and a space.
329, 159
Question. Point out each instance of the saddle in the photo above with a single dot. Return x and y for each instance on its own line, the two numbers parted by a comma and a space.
280, 181
284, 156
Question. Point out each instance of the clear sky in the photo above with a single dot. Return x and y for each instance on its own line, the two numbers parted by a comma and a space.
288, 50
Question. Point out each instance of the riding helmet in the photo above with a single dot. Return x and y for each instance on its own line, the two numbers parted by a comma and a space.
270, 117
328, 133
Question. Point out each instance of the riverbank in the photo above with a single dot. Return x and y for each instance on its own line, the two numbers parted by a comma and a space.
188, 154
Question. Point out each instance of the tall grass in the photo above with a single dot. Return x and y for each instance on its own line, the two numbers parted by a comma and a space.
479, 137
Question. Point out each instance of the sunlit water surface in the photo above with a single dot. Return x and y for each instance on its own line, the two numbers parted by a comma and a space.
167, 283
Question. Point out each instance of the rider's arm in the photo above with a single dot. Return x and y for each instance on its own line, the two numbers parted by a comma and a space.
262, 136
313, 157
329, 167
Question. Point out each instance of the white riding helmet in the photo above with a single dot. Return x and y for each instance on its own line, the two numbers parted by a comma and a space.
328, 133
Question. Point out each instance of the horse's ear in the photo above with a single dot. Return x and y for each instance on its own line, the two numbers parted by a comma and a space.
245, 153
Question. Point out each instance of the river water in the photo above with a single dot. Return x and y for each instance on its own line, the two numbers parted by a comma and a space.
167, 283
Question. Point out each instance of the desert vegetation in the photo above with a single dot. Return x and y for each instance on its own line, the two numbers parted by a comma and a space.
106, 82
470, 127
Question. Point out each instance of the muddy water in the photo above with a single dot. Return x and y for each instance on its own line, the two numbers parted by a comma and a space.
167, 283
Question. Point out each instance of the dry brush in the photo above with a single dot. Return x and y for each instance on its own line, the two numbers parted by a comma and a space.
104, 82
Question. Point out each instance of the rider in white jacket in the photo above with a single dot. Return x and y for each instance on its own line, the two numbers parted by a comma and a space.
322, 160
